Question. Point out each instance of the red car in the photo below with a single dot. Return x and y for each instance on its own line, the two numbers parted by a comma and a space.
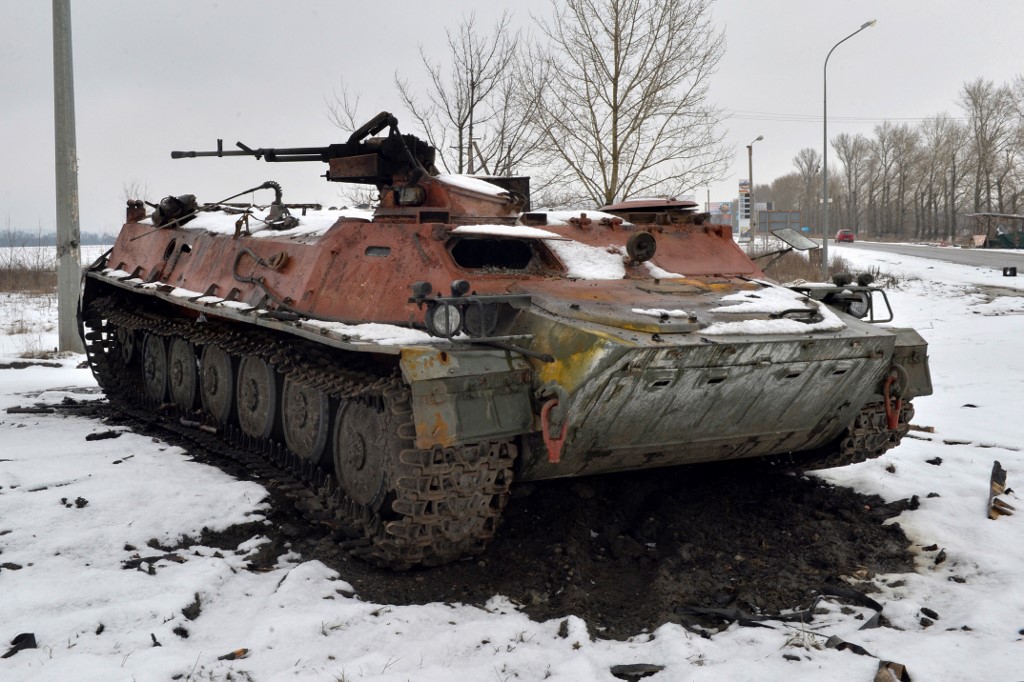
844, 236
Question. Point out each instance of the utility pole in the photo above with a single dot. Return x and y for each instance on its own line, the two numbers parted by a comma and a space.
824, 150
750, 192
472, 94
69, 257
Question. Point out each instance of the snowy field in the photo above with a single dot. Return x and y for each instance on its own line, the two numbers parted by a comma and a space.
73, 511
44, 256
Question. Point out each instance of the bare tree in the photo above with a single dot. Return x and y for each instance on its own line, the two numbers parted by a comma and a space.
784, 191
621, 96
470, 99
920, 180
134, 188
343, 108
852, 151
943, 148
906, 160
958, 151
883, 164
932, 136
510, 142
344, 113
990, 109
808, 167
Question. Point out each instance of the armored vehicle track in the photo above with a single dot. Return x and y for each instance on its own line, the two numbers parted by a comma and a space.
406, 508
623, 552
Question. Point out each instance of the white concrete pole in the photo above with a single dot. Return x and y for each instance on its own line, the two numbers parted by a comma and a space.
69, 257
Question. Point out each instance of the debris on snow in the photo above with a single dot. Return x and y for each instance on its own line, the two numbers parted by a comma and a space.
997, 486
635, 671
891, 672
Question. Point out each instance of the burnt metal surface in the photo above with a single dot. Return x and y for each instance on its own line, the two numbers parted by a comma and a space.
527, 366
651, 205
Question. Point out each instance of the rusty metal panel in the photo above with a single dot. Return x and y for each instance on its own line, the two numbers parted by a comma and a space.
363, 168
911, 353
449, 412
467, 396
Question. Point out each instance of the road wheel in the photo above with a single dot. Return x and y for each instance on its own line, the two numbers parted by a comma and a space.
305, 420
217, 383
365, 444
257, 397
154, 367
124, 340
182, 373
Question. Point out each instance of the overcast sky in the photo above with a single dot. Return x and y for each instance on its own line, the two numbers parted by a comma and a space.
155, 76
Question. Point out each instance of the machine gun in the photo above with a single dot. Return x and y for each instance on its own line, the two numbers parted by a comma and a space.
378, 161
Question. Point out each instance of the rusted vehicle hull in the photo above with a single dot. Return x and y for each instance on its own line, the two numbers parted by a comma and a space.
412, 363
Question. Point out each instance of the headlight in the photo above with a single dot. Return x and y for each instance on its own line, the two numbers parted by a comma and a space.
641, 246
859, 304
443, 319
481, 319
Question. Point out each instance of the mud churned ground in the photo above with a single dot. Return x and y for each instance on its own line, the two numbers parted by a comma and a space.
700, 546
628, 553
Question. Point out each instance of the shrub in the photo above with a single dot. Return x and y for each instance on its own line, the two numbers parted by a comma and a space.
794, 265
27, 269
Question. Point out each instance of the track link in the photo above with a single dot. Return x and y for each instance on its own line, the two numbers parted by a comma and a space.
442, 503
867, 438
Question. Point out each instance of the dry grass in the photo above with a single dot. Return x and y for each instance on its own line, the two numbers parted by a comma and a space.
30, 320
27, 280
793, 266
27, 270
806, 266
33, 349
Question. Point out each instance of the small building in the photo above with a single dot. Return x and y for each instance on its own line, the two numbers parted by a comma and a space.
997, 231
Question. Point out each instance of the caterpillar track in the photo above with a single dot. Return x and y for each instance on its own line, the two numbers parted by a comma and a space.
867, 438
419, 507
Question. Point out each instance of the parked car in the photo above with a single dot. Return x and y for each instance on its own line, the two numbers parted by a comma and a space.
844, 236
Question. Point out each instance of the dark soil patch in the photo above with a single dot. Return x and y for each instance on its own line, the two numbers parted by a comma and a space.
629, 552
625, 552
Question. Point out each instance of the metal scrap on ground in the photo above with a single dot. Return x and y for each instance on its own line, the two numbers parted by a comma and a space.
997, 486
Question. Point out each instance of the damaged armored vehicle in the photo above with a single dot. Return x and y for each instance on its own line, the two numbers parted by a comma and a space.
414, 361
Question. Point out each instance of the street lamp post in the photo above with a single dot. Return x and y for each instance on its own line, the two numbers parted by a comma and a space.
824, 153
750, 179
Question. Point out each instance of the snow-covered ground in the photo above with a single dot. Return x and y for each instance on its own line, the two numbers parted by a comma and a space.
72, 511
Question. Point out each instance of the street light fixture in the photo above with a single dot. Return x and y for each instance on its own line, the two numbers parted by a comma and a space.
824, 155
750, 179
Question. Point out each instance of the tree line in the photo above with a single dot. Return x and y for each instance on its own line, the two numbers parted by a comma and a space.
11, 238
605, 100
918, 181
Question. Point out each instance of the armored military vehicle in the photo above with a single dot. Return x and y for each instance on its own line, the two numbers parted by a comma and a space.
412, 362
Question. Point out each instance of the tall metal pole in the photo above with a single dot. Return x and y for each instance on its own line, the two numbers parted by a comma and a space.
750, 190
69, 257
472, 95
824, 153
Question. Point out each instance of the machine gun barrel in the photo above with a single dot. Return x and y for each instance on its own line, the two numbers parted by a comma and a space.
377, 160
270, 155
325, 154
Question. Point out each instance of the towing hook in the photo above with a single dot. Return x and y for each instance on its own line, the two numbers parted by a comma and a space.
552, 443
553, 417
553, 389
892, 395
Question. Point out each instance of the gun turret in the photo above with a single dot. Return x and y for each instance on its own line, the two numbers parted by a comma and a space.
378, 160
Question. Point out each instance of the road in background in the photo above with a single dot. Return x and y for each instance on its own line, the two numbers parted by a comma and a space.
991, 258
